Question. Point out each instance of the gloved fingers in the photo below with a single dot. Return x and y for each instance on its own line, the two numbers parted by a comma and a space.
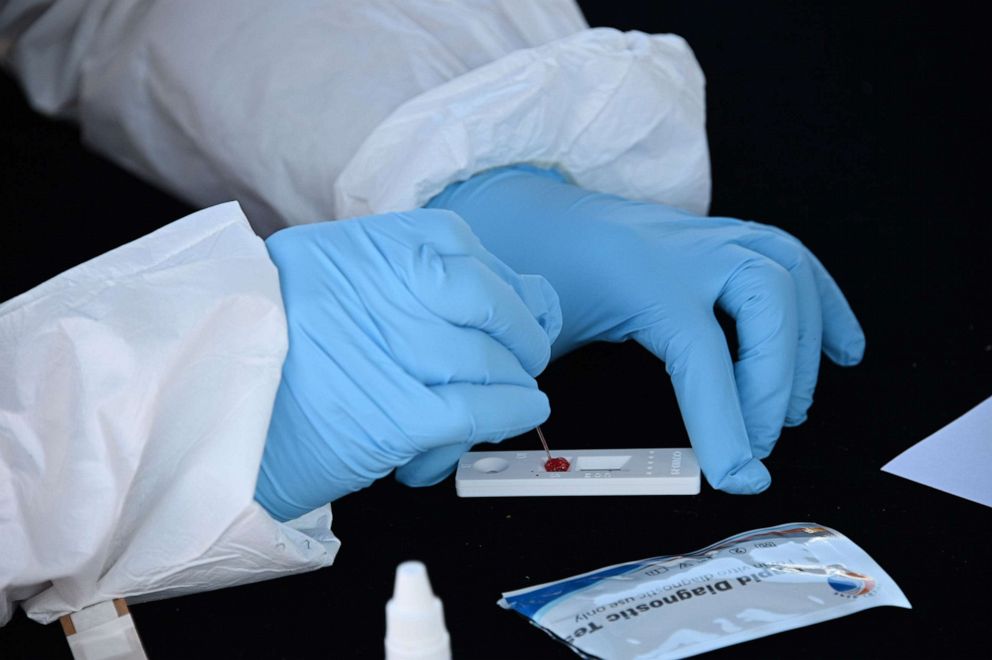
536, 292
465, 292
791, 255
843, 338
442, 353
472, 413
696, 356
450, 235
541, 299
761, 297
432, 466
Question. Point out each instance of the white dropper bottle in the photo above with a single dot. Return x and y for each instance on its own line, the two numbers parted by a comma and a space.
415, 618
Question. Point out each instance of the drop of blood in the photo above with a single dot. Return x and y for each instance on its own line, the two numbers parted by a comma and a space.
558, 464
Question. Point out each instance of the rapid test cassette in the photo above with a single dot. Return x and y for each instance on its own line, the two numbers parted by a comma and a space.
591, 472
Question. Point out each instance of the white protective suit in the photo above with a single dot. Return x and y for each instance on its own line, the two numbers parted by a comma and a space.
135, 389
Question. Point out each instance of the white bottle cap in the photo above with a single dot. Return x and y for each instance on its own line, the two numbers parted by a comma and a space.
415, 618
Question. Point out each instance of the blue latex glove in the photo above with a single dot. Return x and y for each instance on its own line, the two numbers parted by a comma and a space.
626, 269
408, 342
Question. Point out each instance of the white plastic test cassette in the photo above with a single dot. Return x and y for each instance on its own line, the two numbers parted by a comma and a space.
591, 472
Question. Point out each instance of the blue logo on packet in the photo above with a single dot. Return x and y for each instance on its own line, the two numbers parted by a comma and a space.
849, 583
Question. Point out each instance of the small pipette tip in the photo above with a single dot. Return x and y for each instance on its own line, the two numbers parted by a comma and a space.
544, 442
552, 464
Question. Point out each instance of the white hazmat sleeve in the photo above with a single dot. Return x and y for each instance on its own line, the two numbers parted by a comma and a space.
135, 396
312, 110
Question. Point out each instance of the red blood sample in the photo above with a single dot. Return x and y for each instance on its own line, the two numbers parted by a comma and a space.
558, 464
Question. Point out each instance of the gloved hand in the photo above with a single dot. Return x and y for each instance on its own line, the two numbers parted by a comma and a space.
626, 269
408, 342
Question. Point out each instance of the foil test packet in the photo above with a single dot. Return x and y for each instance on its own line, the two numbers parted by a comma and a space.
747, 586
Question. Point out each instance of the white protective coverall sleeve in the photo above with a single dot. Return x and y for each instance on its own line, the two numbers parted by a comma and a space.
315, 109
135, 395
302, 111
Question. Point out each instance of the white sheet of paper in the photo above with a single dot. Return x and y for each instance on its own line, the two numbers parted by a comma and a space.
956, 459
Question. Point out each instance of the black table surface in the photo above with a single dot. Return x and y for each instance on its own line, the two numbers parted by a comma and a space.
860, 130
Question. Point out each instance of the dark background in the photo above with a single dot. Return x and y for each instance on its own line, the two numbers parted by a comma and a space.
858, 128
